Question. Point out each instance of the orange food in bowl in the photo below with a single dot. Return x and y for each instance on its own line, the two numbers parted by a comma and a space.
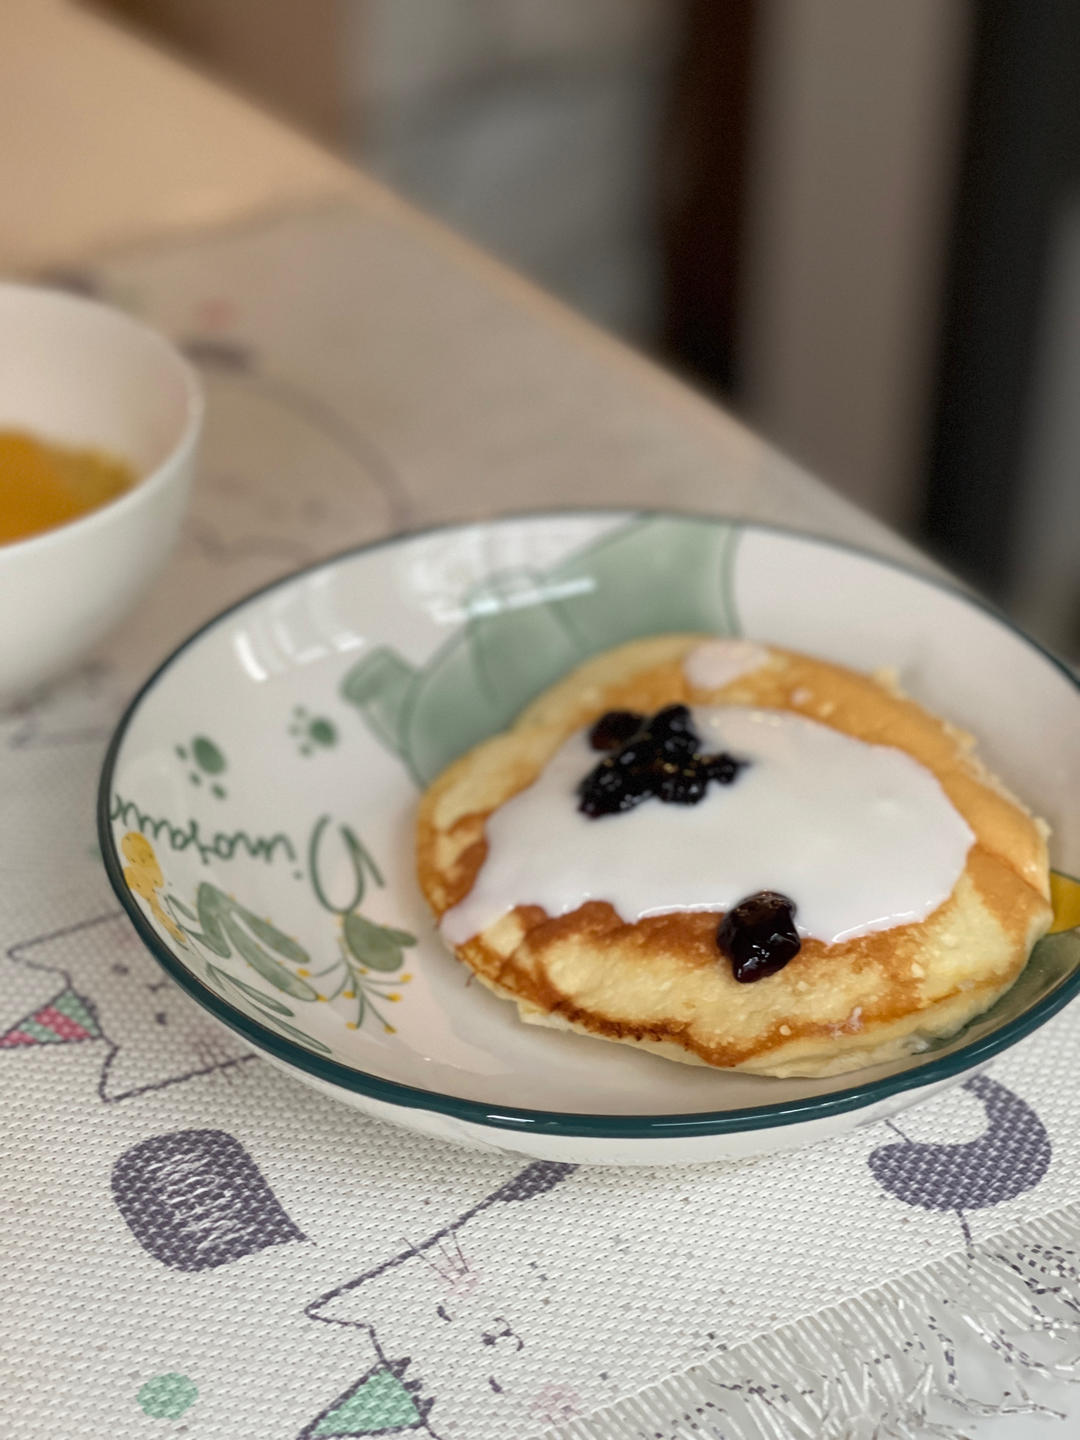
43, 485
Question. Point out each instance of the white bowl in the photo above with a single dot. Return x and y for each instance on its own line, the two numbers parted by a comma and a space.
257, 806
79, 373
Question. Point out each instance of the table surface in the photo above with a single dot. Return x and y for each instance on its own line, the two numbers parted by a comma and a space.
426, 380
161, 150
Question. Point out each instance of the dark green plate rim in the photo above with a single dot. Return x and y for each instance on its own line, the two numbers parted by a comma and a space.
548, 1122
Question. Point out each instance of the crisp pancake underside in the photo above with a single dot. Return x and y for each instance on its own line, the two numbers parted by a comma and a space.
661, 984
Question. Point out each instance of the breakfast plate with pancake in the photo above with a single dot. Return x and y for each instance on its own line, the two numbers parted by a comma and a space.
434, 823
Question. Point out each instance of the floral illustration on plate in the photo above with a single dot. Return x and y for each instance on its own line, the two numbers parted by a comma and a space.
364, 969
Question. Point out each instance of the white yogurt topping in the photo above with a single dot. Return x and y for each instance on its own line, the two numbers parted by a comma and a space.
716, 663
862, 837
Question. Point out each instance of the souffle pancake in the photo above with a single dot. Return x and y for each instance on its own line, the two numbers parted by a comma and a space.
732, 854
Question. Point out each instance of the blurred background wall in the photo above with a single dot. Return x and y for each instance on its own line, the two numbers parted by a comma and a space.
856, 221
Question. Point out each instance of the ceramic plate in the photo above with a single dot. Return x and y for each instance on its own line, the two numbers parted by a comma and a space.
257, 802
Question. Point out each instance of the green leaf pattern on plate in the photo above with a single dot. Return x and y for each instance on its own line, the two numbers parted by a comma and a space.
364, 945
228, 926
219, 925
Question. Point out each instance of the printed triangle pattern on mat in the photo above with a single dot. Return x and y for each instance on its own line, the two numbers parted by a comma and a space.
380, 1403
66, 1018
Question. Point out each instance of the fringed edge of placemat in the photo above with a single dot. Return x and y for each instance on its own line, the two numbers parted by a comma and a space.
884, 1364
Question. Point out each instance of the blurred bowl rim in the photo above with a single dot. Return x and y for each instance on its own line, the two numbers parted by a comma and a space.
154, 479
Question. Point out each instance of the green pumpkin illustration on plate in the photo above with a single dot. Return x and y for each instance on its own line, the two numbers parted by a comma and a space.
527, 628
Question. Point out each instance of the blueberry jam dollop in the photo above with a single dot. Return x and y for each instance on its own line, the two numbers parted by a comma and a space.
613, 730
649, 757
758, 935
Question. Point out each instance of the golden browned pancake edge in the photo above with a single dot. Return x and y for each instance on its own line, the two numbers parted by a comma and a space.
661, 983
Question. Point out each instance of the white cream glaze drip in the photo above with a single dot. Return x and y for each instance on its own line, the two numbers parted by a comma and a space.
716, 663
862, 837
